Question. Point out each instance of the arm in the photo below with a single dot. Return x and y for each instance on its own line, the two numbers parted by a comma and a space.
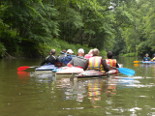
117, 66
86, 65
44, 61
105, 66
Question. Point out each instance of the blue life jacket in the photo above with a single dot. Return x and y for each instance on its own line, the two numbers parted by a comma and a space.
66, 59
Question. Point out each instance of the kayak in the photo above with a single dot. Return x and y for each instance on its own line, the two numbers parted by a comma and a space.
147, 62
69, 70
94, 73
144, 62
46, 68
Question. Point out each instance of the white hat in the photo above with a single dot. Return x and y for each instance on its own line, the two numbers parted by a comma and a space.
70, 51
80, 50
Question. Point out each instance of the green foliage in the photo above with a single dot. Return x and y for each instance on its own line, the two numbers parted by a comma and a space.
2, 50
130, 54
59, 45
28, 27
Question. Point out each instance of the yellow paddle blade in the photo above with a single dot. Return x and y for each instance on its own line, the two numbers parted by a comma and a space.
136, 61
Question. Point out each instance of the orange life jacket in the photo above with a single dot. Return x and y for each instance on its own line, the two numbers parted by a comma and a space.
111, 62
94, 63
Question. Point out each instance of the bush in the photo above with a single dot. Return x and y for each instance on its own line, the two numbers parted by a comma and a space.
2, 50
130, 54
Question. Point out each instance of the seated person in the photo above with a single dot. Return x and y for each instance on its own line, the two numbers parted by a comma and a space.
89, 55
153, 59
67, 57
79, 60
146, 58
51, 59
96, 62
110, 61
61, 56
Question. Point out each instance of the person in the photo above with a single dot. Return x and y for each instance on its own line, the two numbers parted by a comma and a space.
146, 58
61, 56
79, 60
70, 51
153, 59
67, 57
89, 55
96, 62
51, 58
110, 61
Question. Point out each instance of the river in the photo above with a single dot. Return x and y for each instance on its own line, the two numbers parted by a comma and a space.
26, 94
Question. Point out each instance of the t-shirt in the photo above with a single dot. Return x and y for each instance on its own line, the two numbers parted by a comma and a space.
79, 61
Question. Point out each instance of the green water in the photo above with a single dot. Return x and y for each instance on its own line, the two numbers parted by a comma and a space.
30, 94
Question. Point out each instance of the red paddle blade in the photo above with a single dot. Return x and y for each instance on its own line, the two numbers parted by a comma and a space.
23, 68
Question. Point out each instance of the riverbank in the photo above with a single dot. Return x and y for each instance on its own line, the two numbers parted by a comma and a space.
42, 49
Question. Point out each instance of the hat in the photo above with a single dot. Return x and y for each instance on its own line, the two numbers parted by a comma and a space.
70, 51
80, 50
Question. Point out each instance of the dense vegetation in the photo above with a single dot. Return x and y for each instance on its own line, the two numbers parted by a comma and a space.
31, 27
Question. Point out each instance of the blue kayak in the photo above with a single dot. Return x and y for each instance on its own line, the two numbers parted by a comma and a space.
148, 62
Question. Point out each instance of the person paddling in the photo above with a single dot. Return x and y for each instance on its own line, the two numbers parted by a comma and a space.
97, 62
110, 61
153, 59
51, 58
62, 56
79, 60
146, 58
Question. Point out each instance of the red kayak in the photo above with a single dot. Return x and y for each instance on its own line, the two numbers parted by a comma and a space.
94, 73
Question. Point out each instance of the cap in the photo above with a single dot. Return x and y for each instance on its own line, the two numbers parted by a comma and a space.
80, 50
70, 51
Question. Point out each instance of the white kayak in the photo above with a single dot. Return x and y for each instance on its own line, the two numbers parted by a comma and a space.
69, 70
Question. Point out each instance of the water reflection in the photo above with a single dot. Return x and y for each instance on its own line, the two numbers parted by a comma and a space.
92, 89
38, 76
72, 88
113, 93
43, 76
23, 74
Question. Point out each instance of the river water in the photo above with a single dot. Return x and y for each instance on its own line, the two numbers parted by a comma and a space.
30, 94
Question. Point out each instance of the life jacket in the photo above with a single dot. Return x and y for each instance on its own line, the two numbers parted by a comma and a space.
146, 58
111, 62
153, 59
95, 63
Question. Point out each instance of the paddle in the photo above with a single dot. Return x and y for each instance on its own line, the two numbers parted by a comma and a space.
22, 68
136, 61
126, 71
